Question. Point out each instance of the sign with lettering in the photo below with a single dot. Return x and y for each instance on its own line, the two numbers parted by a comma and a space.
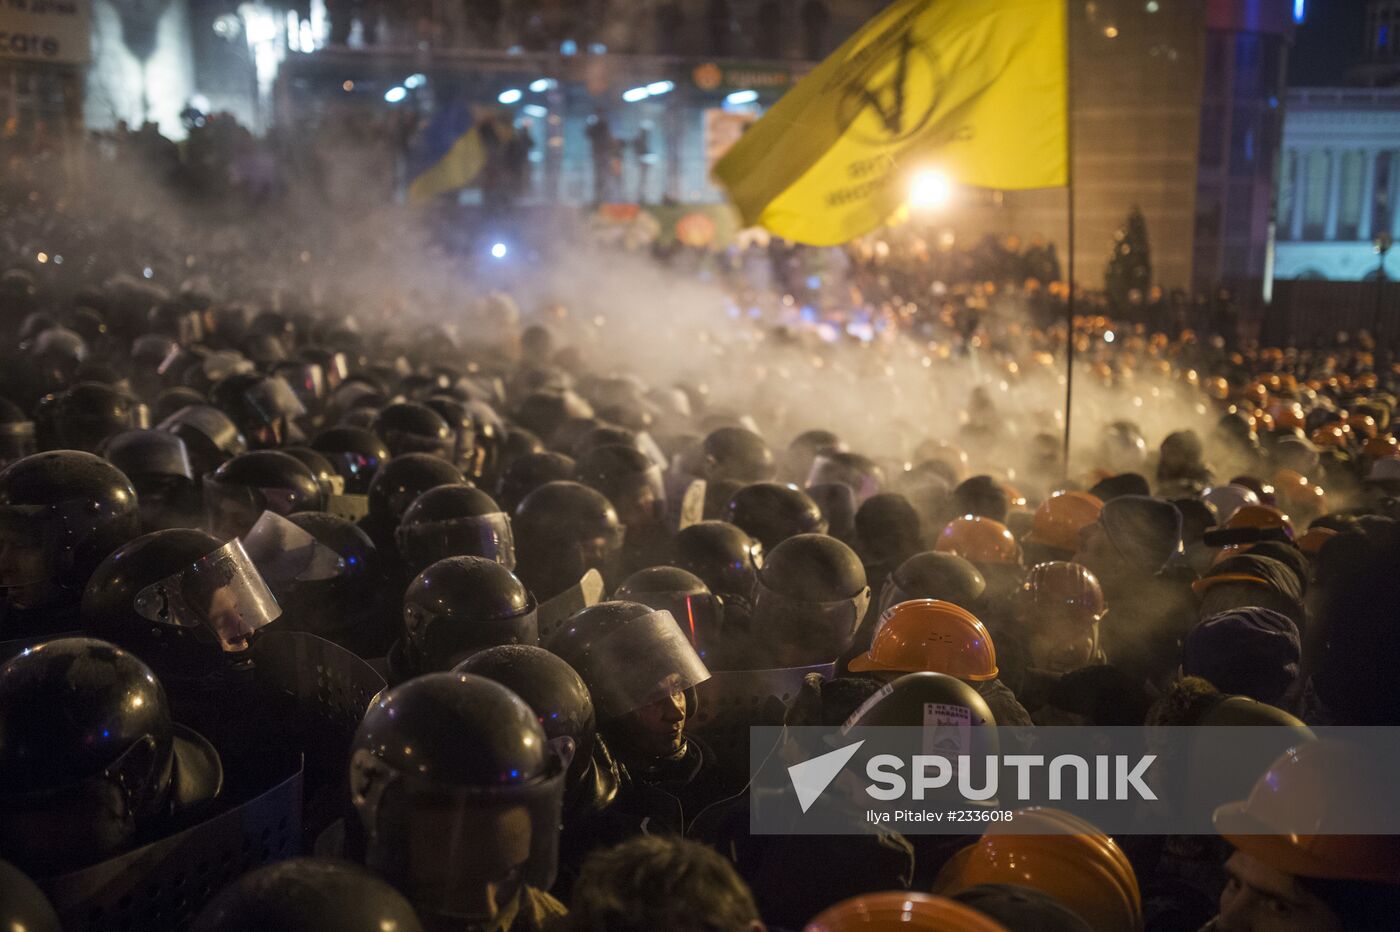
46, 30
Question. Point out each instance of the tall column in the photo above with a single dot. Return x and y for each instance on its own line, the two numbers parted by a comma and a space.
1368, 195
1300, 193
1334, 192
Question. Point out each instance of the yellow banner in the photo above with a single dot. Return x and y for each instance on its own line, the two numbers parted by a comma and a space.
975, 89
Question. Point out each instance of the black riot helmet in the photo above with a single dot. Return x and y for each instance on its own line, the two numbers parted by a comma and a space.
348, 607
810, 597
355, 453
454, 521
550, 687
543, 412
797, 459
17, 438
562, 530
406, 427
171, 400
860, 473
211, 438
904, 703
321, 467
458, 606
57, 352
60, 513
772, 513
697, 611
334, 366
528, 473
23, 905
262, 406
400, 481
463, 426
89, 759
721, 554
932, 575
736, 453
181, 599
630, 656
87, 414
520, 442
239, 491
490, 443
158, 466
630, 480
459, 796
307, 381
307, 895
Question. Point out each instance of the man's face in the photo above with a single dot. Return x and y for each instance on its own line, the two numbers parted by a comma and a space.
1258, 898
656, 730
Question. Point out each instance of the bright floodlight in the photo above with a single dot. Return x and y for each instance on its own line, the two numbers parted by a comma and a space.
535, 110
510, 96
1108, 336
657, 88
930, 189
741, 97
636, 94
395, 94
540, 85
498, 250
415, 80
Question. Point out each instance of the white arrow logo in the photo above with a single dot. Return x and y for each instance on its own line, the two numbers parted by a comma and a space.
810, 778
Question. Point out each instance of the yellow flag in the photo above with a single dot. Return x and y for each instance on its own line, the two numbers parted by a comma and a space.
973, 88
457, 168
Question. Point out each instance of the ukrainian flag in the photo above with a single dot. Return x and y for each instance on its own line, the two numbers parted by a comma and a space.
974, 88
449, 155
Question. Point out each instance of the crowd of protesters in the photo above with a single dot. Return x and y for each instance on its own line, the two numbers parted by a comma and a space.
299, 497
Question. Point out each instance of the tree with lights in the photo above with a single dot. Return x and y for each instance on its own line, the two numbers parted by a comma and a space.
1129, 266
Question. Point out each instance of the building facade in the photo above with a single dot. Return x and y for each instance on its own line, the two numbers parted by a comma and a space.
1339, 182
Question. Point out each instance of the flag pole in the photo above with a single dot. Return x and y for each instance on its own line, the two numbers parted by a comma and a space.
1069, 197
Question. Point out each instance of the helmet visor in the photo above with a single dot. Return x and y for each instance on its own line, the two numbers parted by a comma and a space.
456, 852
233, 509
648, 657
221, 591
827, 470
285, 554
833, 623
210, 422
488, 536
274, 399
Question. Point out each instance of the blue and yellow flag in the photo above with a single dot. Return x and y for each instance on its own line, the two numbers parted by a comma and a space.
973, 88
449, 155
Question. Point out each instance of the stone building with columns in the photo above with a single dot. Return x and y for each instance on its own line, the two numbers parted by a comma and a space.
1338, 184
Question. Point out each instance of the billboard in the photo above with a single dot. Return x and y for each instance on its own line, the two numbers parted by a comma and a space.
46, 30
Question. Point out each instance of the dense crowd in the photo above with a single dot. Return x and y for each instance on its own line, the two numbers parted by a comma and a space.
303, 514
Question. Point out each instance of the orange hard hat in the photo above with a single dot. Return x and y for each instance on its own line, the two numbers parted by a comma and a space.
929, 635
1256, 394
1312, 540
979, 540
1061, 517
1260, 516
1060, 855
1381, 447
901, 911
1060, 590
1301, 497
1288, 414
1303, 815
1331, 435
1363, 424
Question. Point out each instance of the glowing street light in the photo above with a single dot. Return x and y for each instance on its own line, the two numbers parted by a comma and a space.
635, 94
395, 94
510, 96
498, 250
930, 189
739, 98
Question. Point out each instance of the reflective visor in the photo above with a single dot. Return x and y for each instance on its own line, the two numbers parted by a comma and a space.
650, 656
455, 851
221, 591
274, 399
285, 554
488, 536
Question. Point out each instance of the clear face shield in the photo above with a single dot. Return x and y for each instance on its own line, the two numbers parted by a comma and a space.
807, 627
221, 592
458, 853
209, 422
487, 536
650, 658
828, 470
699, 614
286, 555
306, 380
642, 501
233, 509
